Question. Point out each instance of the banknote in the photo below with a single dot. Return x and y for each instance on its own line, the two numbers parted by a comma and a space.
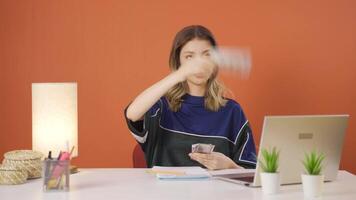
233, 59
202, 148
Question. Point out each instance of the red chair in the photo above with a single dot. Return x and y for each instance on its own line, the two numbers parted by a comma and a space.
138, 157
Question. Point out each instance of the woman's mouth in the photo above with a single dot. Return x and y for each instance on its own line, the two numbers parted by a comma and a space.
200, 76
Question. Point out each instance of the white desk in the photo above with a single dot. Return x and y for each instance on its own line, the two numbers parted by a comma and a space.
106, 184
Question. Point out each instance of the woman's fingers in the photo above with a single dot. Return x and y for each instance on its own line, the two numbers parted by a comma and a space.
202, 66
201, 156
214, 160
204, 158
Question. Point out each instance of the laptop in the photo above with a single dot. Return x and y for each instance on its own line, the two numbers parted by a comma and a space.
294, 136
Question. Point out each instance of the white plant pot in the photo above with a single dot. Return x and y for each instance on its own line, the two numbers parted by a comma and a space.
312, 185
270, 182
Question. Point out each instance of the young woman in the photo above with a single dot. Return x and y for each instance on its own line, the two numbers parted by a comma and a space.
188, 107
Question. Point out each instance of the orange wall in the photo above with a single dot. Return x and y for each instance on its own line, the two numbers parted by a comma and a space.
303, 62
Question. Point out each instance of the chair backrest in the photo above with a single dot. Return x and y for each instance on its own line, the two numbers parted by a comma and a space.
138, 157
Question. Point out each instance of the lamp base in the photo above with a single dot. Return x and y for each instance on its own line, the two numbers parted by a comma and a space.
73, 169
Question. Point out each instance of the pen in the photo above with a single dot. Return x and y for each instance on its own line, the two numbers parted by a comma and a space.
48, 166
59, 156
50, 155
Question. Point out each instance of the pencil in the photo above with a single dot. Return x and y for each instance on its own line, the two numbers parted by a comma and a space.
71, 151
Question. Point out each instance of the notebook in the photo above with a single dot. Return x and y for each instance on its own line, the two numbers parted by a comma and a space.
179, 172
171, 173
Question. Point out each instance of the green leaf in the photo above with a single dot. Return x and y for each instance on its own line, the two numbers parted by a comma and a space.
313, 163
270, 160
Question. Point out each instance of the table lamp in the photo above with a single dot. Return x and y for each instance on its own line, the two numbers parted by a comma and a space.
55, 118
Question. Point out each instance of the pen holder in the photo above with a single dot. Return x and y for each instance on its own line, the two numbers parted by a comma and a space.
56, 175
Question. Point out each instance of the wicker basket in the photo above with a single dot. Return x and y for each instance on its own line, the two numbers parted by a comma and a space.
27, 160
11, 176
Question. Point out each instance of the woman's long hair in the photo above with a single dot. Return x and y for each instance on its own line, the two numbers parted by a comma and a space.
214, 92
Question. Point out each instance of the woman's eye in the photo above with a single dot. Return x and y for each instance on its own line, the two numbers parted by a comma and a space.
188, 57
207, 54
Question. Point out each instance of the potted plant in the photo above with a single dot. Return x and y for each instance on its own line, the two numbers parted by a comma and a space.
313, 180
270, 177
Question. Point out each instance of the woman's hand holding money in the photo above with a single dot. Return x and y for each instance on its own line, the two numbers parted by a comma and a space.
214, 160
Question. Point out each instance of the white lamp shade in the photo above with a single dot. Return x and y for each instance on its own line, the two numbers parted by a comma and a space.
54, 118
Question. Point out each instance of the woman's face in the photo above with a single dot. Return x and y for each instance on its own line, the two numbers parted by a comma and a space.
193, 49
